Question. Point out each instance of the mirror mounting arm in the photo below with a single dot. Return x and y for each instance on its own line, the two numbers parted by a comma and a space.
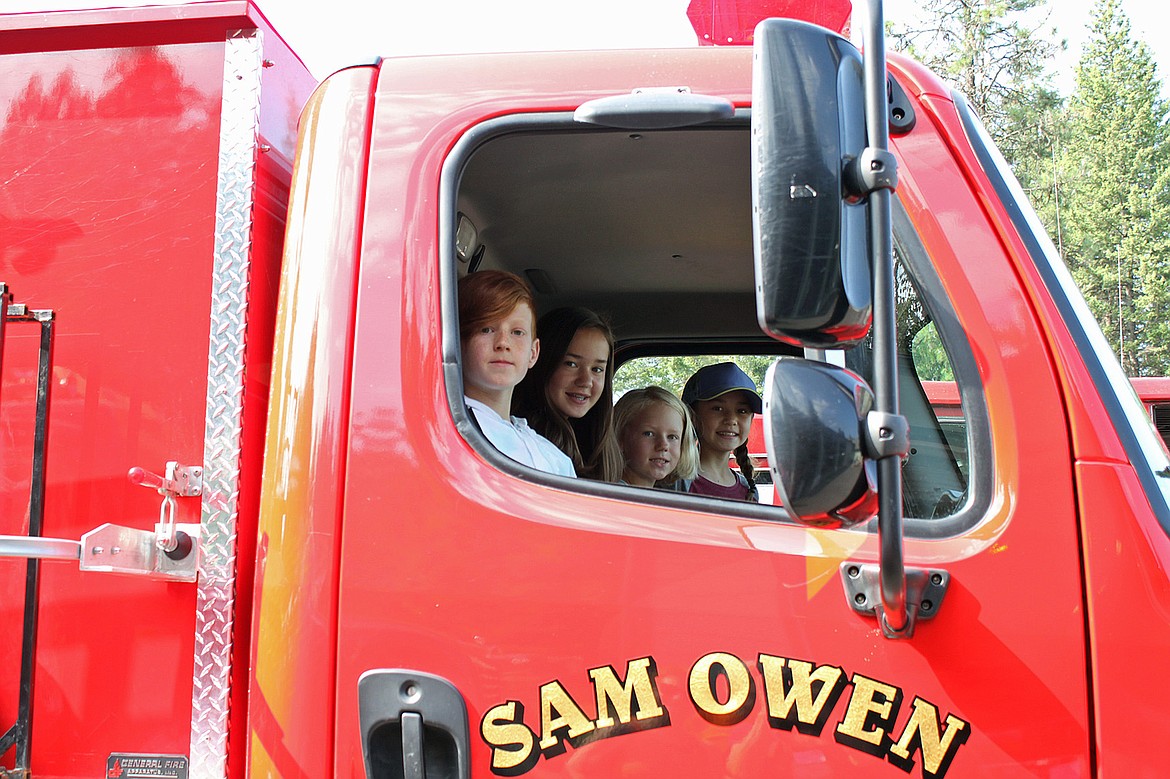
887, 435
895, 612
926, 588
874, 169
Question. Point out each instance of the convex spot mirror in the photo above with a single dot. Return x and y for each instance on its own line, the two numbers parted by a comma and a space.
815, 430
811, 239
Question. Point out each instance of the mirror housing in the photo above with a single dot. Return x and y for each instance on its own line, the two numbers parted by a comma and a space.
811, 235
816, 433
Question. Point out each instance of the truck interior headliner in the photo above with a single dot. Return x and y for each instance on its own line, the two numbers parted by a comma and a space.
652, 228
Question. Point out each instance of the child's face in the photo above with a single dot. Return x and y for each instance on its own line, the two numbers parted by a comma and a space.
650, 443
496, 357
576, 384
723, 423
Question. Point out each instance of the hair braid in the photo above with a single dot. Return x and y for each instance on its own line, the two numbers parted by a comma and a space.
745, 465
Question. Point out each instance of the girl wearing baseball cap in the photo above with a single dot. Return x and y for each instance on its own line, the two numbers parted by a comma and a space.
723, 401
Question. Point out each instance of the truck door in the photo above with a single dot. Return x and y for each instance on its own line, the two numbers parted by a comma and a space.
515, 623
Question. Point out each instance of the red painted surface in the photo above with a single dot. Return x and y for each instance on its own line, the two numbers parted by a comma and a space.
109, 153
1124, 549
370, 555
733, 22
1152, 389
292, 687
515, 608
1154, 392
114, 232
944, 398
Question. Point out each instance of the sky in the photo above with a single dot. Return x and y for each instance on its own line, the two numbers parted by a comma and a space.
330, 34
440, 26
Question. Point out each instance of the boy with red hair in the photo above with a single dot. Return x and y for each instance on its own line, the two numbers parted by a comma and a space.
497, 333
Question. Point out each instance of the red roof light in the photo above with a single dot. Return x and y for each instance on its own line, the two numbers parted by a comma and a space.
733, 22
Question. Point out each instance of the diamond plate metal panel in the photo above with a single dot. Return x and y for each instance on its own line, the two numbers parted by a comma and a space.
215, 598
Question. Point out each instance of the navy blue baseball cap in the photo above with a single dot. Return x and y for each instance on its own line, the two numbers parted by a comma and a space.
711, 381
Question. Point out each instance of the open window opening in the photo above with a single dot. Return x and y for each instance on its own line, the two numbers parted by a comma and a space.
652, 230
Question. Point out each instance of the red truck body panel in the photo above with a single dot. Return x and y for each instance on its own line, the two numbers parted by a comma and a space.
113, 126
301, 524
372, 535
1113, 515
644, 582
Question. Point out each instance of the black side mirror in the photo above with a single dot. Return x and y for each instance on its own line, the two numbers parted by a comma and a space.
811, 236
816, 436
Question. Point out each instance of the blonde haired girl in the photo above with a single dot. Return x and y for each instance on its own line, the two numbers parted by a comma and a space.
657, 438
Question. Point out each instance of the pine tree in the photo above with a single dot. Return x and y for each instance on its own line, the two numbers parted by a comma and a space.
1115, 192
997, 54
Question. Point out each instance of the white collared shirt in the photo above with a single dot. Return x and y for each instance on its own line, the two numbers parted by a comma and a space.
514, 438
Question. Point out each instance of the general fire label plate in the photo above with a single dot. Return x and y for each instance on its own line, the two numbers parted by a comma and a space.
122, 765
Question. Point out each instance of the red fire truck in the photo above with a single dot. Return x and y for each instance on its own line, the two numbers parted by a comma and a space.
250, 530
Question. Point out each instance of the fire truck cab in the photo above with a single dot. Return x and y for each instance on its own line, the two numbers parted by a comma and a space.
373, 591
